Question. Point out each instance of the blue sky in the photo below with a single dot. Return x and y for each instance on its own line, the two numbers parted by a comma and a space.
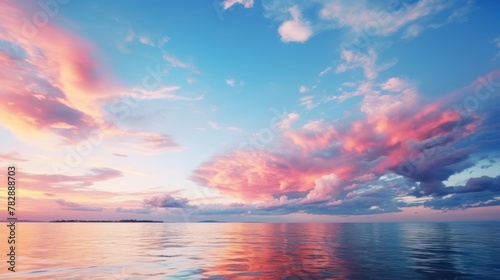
247, 110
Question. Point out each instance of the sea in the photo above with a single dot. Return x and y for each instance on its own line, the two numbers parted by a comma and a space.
254, 251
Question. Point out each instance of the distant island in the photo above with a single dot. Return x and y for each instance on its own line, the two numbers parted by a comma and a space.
106, 221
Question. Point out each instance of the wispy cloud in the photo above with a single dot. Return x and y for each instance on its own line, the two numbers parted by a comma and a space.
176, 62
230, 82
496, 41
164, 93
385, 20
367, 61
66, 205
217, 126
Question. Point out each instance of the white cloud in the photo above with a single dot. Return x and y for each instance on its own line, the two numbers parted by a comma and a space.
217, 126
395, 84
163, 40
230, 82
375, 105
382, 21
349, 84
229, 3
164, 93
307, 102
295, 30
179, 63
326, 188
365, 88
288, 120
366, 61
304, 89
325, 71
130, 36
145, 40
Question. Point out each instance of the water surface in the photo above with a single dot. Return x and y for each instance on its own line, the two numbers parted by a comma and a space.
256, 251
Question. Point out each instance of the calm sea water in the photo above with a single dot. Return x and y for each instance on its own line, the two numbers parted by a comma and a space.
256, 251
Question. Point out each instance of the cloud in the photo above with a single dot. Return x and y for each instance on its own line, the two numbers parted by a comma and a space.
325, 71
230, 82
382, 21
326, 187
11, 157
367, 61
288, 120
166, 201
66, 205
175, 62
160, 142
365, 88
304, 89
217, 126
162, 93
497, 45
308, 102
226, 4
58, 87
401, 148
295, 30
412, 31
477, 192
52, 82
138, 141
395, 84
145, 40
77, 181
131, 36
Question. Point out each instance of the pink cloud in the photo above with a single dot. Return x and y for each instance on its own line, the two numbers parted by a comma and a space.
359, 15
357, 153
53, 79
57, 86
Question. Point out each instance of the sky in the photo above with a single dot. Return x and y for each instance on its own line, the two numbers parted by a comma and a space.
252, 110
